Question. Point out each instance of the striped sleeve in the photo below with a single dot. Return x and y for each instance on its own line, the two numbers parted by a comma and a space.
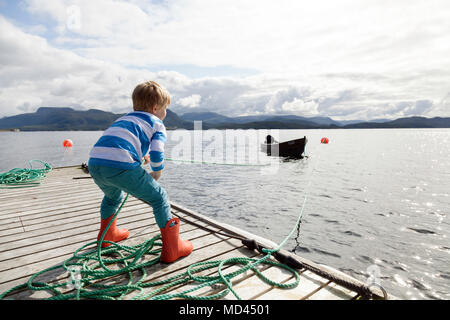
157, 147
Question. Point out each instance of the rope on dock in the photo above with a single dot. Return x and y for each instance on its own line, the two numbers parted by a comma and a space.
294, 261
91, 268
23, 178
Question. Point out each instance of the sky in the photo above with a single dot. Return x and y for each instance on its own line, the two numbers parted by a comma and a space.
344, 59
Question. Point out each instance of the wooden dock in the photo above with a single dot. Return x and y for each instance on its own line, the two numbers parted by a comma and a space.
42, 226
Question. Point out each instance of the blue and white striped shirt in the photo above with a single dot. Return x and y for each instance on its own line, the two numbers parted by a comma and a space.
128, 140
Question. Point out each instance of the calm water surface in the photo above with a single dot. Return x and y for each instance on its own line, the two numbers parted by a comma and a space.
373, 197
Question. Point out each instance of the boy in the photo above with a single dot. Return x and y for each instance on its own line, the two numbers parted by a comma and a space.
115, 165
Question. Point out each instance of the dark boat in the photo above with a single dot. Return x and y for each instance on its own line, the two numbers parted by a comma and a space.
290, 149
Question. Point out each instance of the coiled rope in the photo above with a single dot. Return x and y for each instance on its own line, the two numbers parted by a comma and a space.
23, 178
88, 270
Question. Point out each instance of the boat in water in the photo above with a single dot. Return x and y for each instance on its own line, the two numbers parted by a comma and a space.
289, 149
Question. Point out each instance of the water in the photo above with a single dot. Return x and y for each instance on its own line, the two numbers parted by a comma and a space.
375, 199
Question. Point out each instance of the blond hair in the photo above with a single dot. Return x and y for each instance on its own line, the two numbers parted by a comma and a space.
150, 94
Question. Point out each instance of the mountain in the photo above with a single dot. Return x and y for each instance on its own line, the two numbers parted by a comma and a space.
411, 122
269, 125
173, 121
215, 118
59, 119
210, 117
65, 119
313, 120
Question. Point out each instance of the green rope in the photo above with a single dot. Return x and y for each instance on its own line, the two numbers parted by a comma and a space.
92, 267
23, 178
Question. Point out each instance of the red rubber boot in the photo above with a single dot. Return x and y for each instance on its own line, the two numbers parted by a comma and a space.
113, 234
173, 247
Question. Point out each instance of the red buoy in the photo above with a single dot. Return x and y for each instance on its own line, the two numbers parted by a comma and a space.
68, 143
324, 140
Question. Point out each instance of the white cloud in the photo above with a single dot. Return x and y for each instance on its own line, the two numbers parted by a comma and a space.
287, 99
308, 108
38, 29
37, 74
191, 101
441, 108
292, 37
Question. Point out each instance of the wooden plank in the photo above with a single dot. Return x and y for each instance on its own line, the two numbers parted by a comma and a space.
252, 285
52, 209
211, 252
53, 215
14, 228
57, 235
247, 284
30, 249
93, 235
333, 292
68, 222
44, 188
42, 251
50, 205
27, 201
208, 290
11, 277
307, 285
11, 223
47, 211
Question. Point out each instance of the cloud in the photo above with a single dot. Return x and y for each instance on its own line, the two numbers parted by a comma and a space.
191, 101
441, 108
36, 74
347, 60
38, 29
291, 99
287, 36
418, 107
305, 108
328, 103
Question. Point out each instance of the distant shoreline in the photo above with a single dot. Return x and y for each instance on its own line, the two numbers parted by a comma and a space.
68, 119
173, 129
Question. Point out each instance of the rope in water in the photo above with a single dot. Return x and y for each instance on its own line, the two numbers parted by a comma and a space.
22, 178
220, 163
88, 269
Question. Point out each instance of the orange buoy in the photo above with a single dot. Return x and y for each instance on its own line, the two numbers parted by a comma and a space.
68, 143
324, 140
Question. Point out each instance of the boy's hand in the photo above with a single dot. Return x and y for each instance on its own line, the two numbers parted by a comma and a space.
156, 174
147, 159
